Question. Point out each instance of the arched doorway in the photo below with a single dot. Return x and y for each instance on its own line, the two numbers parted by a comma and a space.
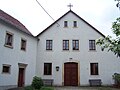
70, 74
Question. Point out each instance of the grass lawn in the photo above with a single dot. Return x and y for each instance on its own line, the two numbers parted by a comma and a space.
43, 88
47, 88
107, 88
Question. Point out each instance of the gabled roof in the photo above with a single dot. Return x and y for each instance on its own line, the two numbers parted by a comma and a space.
14, 22
70, 11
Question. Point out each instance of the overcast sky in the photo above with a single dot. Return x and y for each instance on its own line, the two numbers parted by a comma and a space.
99, 13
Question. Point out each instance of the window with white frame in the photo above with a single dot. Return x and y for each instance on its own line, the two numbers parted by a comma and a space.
6, 68
65, 23
23, 44
74, 23
75, 44
49, 44
94, 68
9, 39
47, 68
65, 44
92, 45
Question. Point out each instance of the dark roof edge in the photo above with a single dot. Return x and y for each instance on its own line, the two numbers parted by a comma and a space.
17, 28
13, 22
52, 24
89, 24
75, 15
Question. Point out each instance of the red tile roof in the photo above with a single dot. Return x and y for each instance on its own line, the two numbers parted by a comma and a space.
14, 22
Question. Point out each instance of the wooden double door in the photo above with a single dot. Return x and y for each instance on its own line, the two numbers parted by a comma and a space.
70, 74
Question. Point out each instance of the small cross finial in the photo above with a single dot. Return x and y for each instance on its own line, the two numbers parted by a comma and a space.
70, 5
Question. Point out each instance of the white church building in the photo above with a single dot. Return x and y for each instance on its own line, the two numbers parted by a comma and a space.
65, 52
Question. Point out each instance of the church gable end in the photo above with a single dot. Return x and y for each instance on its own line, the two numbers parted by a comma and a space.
66, 23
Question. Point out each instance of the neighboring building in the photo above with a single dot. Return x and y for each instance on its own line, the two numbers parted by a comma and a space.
69, 44
18, 50
65, 52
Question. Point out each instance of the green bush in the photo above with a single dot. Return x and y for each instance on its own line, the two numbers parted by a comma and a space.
28, 88
37, 82
116, 77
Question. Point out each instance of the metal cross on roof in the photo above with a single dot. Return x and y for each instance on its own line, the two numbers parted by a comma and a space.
70, 5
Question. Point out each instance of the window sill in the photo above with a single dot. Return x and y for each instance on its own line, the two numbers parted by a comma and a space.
47, 75
92, 51
65, 27
94, 75
65, 50
24, 50
49, 50
76, 50
8, 46
5, 73
75, 27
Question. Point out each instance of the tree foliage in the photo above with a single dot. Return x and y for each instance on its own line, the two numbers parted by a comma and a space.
37, 82
110, 43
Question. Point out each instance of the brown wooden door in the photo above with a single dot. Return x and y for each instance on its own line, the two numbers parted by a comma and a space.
71, 74
21, 77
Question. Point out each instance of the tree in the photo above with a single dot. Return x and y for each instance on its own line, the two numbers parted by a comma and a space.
118, 4
110, 43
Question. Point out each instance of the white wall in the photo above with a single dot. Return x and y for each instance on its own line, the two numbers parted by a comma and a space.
108, 63
16, 55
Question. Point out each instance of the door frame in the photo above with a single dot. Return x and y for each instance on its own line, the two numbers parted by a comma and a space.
21, 66
78, 71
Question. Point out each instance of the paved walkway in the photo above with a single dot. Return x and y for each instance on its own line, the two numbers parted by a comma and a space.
85, 88
76, 88
16, 89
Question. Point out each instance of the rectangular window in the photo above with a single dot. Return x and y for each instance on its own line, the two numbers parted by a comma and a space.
65, 44
74, 23
48, 44
23, 44
65, 24
94, 68
47, 68
9, 39
75, 44
92, 45
6, 68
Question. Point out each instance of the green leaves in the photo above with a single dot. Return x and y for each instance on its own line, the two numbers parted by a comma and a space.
116, 27
110, 43
37, 82
116, 76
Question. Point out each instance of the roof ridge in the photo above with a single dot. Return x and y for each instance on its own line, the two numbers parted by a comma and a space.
75, 15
